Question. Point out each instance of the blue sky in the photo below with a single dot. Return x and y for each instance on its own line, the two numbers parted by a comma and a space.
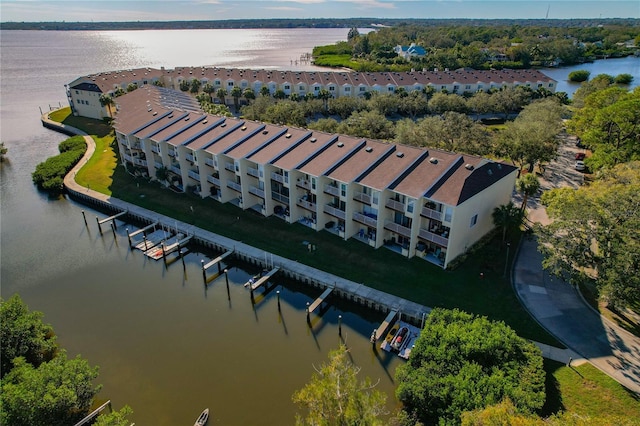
169, 10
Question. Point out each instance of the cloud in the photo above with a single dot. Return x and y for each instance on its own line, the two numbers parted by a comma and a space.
284, 8
369, 4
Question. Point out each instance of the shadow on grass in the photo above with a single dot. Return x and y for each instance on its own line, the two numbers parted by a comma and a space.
553, 403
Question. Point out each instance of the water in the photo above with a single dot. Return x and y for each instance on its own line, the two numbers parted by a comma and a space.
164, 345
613, 67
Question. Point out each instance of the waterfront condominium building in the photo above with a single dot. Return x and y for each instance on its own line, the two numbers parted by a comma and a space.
84, 92
420, 202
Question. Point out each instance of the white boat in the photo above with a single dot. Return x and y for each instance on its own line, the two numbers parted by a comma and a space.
202, 419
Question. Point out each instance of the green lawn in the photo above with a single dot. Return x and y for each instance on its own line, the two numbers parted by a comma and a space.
591, 393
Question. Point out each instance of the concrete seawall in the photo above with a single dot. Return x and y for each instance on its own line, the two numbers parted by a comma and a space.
356, 292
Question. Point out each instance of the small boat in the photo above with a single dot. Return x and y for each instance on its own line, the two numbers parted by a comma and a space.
202, 419
400, 339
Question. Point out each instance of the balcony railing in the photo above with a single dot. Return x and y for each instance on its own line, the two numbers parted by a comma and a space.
139, 162
234, 185
158, 165
280, 197
128, 158
307, 205
367, 220
435, 238
209, 162
431, 214
154, 148
175, 169
190, 158
333, 190
395, 205
253, 172
303, 183
397, 228
277, 177
194, 175
362, 197
230, 167
340, 214
172, 153
123, 141
213, 180
256, 191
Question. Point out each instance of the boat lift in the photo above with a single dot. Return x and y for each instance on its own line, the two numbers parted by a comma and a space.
140, 231
111, 219
381, 331
254, 285
215, 261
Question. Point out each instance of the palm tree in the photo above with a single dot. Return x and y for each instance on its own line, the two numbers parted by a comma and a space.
528, 185
208, 89
249, 94
107, 101
279, 94
294, 97
264, 91
309, 96
325, 95
236, 92
221, 94
3, 151
507, 216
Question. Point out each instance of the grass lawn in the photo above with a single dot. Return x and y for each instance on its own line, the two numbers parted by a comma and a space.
589, 392
412, 279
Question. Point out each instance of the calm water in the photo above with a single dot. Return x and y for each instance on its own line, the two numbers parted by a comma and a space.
164, 345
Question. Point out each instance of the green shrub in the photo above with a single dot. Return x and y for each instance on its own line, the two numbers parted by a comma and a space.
579, 76
623, 79
50, 173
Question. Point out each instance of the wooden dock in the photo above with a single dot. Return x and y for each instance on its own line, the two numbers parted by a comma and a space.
109, 219
151, 240
319, 300
380, 331
145, 229
177, 245
263, 279
215, 261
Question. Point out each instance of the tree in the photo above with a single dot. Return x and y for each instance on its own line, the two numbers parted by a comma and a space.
208, 89
462, 362
367, 124
279, 95
325, 95
221, 94
57, 392
107, 101
236, 93
3, 151
528, 185
442, 102
162, 174
335, 397
249, 94
353, 34
194, 86
595, 234
285, 112
116, 418
413, 104
131, 87
507, 217
623, 79
23, 334
579, 76
264, 91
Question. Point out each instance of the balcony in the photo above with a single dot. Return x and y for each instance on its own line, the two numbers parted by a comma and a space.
395, 205
139, 162
367, 220
128, 158
155, 148
234, 185
172, 153
308, 205
335, 212
175, 169
431, 214
397, 228
256, 191
280, 197
230, 167
209, 162
123, 141
194, 175
277, 177
332, 190
158, 165
253, 172
190, 158
213, 180
303, 183
362, 197
433, 237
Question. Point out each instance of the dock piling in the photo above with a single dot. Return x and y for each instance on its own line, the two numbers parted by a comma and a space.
99, 227
278, 293
184, 267
308, 317
128, 237
113, 229
339, 325
204, 272
84, 216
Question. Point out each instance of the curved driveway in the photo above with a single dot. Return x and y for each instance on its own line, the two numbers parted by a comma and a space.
559, 307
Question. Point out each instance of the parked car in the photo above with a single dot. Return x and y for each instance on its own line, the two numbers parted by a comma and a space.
580, 156
580, 165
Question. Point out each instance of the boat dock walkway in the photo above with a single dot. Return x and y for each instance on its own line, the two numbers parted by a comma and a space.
319, 300
141, 230
151, 240
215, 261
381, 331
264, 278
111, 219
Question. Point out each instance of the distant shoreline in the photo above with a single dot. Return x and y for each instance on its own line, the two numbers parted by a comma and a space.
303, 23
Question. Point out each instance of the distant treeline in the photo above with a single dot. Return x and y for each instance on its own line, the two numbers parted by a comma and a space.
307, 23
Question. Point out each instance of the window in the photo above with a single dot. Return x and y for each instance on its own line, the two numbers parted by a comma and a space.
313, 183
474, 220
467, 87
316, 88
301, 87
375, 196
287, 87
410, 205
332, 88
216, 82
479, 86
230, 84
77, 93
347, 89
550, 84
244, 84
443, 87
343, 189
363, 89
448, 213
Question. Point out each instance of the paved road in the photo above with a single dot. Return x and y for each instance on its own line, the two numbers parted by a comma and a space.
559, 307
